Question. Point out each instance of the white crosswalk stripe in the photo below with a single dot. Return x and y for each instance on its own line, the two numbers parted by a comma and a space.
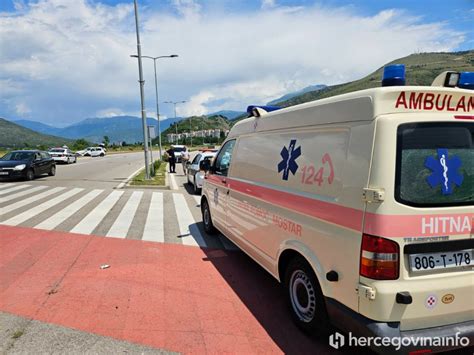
92, 220
56, 219
11, 189
123, 222
21, 193
4, 186
189, 231
154, 226
110, 213
22, 217
27, 201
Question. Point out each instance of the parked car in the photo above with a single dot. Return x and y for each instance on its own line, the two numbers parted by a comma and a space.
84, 152
26, 164
178, 151
194, 174
63, 155
97, 152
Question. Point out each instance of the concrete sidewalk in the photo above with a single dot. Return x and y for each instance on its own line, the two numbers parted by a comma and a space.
20, 335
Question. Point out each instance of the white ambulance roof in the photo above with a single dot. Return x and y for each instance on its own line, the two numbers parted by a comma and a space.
364, 105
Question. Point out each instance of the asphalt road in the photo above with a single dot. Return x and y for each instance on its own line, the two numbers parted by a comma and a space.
99, 172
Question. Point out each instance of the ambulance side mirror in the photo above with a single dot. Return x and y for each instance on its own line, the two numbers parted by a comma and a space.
205, 165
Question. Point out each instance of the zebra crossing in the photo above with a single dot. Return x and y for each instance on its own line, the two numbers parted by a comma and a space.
157, 216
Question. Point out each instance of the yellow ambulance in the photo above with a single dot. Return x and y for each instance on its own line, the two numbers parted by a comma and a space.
361, 205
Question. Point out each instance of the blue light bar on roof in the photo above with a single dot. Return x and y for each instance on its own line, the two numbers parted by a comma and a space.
266, 108
394, 75
466, 80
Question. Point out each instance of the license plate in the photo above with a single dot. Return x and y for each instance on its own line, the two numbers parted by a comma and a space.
3, 172
443, 260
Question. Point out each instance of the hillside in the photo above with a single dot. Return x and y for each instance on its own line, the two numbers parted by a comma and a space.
198, 123
15, 136
421, 69
118, 128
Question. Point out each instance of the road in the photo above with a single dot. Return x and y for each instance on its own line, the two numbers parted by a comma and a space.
170, 286
84, 198
99, 172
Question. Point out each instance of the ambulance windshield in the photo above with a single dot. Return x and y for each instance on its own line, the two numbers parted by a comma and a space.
435, 164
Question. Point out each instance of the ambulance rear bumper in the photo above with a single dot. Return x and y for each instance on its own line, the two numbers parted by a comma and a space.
359, 326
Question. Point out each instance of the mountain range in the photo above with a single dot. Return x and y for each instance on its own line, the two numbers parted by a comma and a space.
14, 136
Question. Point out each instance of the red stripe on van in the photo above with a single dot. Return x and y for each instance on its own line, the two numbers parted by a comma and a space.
392, 226
341, 215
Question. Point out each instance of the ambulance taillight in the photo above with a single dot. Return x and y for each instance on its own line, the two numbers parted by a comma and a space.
379, 258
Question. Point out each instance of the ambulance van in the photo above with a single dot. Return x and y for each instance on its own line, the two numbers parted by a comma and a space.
361, 205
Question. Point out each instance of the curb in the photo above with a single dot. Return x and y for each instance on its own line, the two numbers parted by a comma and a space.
127, 183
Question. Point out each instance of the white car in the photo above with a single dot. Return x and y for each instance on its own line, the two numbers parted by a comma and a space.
84, 152
194, 174
96, 152
178, 151
62, 155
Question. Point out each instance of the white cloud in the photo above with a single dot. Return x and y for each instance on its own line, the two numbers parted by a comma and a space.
67, 60
268, 4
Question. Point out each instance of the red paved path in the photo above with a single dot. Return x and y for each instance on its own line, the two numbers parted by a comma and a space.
173, 297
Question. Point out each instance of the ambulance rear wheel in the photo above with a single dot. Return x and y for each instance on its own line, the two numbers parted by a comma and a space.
206, 218
305, 298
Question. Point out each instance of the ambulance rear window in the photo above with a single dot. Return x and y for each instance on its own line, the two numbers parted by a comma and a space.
435, 164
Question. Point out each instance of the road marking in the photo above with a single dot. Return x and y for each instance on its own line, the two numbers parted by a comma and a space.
56, 219
124, 182
198, 200
5, 185
29, 200
154, 230
21, 193
188, 229
123, 222
22, 217
173, 184
92, 220
14, 188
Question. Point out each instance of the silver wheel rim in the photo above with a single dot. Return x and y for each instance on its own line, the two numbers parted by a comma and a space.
53, 170
302, 296
206, 216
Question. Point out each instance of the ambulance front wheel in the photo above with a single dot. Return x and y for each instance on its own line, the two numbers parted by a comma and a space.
305, 299
206, 217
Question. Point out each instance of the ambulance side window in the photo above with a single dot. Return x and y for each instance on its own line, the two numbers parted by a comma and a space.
224, 158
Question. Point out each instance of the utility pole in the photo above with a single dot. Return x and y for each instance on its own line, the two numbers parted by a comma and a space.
142, 94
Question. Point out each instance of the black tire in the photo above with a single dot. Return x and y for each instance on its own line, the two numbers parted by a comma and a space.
102, 154
196, 190
206, 218
30, 175
52, 171
305, 298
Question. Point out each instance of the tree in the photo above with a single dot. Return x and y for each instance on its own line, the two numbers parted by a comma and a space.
80, 144
106, 141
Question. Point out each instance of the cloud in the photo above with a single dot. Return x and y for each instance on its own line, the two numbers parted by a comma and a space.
67, 60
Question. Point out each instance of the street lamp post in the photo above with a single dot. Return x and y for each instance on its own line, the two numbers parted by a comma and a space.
156, 93
176, 123
142, 93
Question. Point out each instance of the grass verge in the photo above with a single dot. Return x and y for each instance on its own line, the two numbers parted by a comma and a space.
157, 180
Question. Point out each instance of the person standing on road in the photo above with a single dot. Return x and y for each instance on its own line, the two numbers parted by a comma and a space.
184, 160
171, 160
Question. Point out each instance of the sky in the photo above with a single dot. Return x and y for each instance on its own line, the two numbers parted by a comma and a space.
62, 61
